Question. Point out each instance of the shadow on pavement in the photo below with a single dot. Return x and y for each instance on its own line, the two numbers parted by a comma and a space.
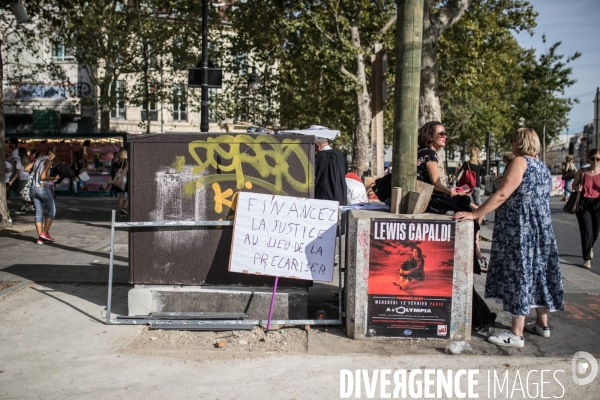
97, 274
70, 248
93, 294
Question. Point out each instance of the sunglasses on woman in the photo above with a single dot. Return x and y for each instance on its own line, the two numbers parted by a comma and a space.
595, 159
443, 134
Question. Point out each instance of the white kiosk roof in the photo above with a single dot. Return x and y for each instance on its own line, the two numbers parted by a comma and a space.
324, 133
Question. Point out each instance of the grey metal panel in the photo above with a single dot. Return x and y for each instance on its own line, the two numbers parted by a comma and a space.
194, 176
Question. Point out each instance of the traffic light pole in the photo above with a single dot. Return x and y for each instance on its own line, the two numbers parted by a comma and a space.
597, 101
488, 145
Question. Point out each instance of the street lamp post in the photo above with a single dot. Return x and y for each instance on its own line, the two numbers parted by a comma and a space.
253, 85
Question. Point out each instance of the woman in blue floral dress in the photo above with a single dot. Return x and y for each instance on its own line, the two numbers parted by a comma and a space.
524, 270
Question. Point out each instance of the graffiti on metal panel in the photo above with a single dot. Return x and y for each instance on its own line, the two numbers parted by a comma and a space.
234, 157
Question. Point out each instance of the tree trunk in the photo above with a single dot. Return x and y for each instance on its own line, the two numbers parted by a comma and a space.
429, 101
104, 105
362, 132
3, 205
406, 96
145, 68
434, 24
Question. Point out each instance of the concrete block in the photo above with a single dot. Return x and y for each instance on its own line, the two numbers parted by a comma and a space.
289, 303
358, 251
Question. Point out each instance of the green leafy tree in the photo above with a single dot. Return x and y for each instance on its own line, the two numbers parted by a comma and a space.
541, 103
100, 33
169, 41
317, 54
21, 60
151, 43
480, 76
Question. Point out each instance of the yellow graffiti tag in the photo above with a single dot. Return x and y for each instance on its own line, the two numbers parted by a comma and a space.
221, 198
225, 153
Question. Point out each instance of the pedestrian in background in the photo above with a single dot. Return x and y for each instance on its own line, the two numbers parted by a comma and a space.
587, 180
475, 165
507, 158
119, 171
524, 270
42, 194
22, 176
14, 154
77, 167
8, 171
330, 171
569, 169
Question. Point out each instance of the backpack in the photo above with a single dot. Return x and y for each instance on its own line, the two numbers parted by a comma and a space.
383, 187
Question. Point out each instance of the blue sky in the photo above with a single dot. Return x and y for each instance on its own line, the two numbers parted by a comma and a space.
575, 23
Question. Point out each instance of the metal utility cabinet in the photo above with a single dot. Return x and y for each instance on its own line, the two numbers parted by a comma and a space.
195, 177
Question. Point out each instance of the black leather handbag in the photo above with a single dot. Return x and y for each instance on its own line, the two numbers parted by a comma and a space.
573, 203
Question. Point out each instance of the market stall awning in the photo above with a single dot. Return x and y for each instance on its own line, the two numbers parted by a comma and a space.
66, 136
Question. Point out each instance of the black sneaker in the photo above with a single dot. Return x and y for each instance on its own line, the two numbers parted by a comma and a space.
124, 213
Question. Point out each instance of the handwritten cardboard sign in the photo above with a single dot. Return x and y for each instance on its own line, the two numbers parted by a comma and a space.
284, 236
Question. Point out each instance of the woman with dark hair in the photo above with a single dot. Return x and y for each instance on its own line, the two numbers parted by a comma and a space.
524, 270
432, 138
41, 194
587, 180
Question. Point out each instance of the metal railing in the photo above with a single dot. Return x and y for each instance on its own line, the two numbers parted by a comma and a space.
196, 323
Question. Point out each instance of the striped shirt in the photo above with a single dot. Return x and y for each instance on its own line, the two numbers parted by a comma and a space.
38, 167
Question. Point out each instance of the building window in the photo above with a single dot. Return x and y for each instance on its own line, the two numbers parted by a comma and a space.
61, 52
179, 54
150, 114
240, 62
179, 103
118, 109
149, 56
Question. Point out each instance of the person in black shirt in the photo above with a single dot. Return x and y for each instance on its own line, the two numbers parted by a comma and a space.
330, 172
432, 138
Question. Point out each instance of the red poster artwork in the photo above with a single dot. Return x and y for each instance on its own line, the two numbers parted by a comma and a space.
410, 278
388, 258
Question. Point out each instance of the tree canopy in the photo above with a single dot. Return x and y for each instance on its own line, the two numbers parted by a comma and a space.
480, 76
151, 41
487, 82
21, 59
314, 59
